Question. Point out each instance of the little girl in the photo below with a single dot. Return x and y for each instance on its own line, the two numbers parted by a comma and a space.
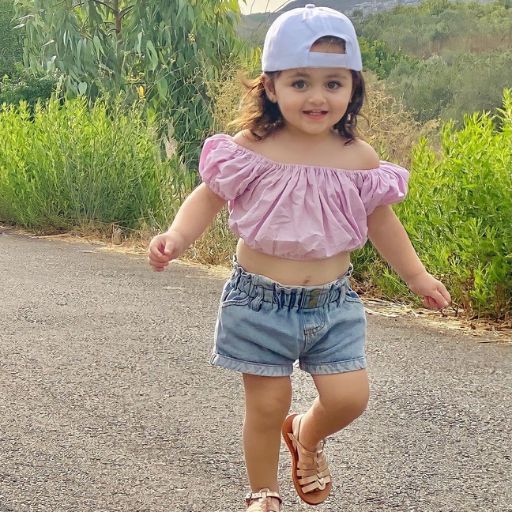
303, 191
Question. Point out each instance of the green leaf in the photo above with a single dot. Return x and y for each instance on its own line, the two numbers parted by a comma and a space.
153, 56
181, 6
97, 45
162, 87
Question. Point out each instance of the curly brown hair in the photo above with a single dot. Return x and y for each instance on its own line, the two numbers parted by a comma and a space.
262, 117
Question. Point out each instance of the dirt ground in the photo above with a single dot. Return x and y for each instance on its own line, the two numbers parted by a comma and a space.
108, 403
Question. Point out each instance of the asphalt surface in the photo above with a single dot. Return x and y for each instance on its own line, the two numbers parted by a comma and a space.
108, 402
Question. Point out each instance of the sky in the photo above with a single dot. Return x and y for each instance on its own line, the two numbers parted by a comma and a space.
252, 6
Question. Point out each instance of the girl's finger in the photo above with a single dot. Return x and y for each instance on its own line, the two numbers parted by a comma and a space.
430, 303
169, 248
439, 300
445, 293
157, 254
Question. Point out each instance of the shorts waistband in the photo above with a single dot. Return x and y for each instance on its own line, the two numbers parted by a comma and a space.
303, 297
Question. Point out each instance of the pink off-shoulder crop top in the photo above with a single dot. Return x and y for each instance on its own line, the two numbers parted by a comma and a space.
293, 211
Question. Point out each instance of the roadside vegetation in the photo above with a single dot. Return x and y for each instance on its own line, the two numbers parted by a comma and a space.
101, 131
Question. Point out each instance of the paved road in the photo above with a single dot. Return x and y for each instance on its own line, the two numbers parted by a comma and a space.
108, 403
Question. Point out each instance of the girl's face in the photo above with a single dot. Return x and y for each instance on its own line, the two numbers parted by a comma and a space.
311, 100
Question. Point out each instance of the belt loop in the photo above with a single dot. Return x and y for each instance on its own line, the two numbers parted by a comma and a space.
275, 296
266, 294
291, 302
251, 288
331, 293
340, 289
237, 278
302, 300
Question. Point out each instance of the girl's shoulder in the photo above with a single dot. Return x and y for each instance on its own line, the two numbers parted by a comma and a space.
358, 154
245, 137
259, 149
242, 140
247, 140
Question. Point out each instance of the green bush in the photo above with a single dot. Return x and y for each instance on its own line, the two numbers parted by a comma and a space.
69, 165
458, 214
425, 88
439, 27
378, 58
448, 88
25, 87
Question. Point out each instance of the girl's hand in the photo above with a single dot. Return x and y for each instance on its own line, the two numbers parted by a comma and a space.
163, 248
435, 295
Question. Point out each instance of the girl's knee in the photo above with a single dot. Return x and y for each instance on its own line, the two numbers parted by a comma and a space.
350, 405
267, 401
348, 409
269, 405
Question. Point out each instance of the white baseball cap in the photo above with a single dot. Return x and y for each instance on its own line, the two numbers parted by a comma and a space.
289, 40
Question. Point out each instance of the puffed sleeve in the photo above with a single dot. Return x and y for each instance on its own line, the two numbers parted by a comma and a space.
385, 185
221, 167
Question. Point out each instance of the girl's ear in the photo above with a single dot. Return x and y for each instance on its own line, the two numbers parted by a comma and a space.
270, 89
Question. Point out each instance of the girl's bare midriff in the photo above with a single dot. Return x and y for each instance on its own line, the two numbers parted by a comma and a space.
292, 272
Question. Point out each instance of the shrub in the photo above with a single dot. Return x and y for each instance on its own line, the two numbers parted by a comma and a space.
71, 165
448, 88
26, 87
378, 58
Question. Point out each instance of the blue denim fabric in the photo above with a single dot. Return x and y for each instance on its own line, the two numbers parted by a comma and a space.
263, 327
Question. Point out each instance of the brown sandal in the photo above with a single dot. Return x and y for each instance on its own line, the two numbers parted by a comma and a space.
263, 504
311, 475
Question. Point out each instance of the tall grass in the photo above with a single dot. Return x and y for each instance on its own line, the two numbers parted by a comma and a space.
72, 165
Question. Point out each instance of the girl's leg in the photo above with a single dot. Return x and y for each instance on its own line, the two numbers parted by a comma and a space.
267, 401
342, 397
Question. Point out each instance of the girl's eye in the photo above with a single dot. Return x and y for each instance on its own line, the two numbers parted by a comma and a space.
299, 84
333, 85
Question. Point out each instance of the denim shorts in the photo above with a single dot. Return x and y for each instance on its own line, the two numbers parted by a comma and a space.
264, 327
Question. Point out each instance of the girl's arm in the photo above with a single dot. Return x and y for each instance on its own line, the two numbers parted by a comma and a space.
389, 237
194, 216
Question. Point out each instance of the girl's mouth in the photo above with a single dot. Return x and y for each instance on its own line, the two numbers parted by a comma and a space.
315, 114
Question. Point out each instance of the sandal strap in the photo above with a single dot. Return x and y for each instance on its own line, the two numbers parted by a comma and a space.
319, 450
262, 494
257, 507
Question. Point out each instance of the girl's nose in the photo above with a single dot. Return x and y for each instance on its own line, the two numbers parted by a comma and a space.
316, 97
